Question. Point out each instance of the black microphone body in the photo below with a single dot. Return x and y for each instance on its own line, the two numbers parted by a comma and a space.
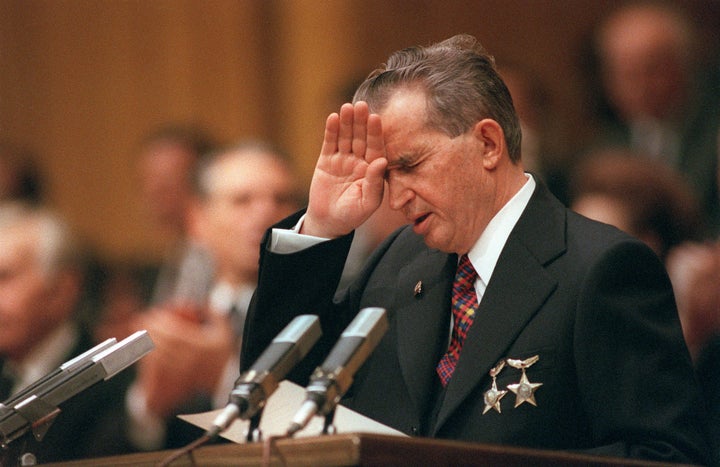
256, 385
333, 378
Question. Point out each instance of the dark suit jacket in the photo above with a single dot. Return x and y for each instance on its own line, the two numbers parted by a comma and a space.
593, 304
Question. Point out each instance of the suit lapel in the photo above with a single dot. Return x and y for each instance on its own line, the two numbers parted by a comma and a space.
423, 318
518, 288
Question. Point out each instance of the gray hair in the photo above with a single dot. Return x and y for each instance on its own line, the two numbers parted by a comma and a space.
54, 247
461, 83
204, 176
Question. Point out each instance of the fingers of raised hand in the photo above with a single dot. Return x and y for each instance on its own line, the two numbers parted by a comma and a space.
352, 129
330, 140
345, 131
360, 134
375, 143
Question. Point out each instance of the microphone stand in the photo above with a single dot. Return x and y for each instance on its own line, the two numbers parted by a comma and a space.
15, 454
39, 415
329, 423
254, 433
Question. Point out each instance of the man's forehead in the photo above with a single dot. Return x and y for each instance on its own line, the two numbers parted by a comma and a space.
406, 101
248, 170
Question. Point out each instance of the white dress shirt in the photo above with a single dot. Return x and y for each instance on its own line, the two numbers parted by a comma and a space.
47, 356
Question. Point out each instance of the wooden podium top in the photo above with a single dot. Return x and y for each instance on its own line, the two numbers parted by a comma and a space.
364, 450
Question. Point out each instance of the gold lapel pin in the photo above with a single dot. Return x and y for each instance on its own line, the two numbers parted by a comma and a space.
418, 290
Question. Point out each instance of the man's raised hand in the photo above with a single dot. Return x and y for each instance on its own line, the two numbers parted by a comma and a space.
347, 185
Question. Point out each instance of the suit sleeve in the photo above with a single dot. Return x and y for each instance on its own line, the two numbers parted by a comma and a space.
292, 284
634, 370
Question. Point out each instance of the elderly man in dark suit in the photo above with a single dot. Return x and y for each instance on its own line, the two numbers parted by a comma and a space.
40, 289
512, 320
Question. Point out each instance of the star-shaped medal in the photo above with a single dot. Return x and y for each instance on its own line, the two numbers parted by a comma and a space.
524, 390
492, 396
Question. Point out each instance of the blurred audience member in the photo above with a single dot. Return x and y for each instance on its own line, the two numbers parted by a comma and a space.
168, 161
19, 176
242, 191
638, 195
694, 269
661, 101
533, 106
40, 285
168, 158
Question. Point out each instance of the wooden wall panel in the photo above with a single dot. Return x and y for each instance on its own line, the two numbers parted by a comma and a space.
314, 49
88, 78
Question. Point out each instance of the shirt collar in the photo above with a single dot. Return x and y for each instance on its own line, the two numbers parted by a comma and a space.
224, 295
46, 356
486, 251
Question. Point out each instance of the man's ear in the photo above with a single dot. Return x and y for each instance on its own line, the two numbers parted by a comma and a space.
491, 137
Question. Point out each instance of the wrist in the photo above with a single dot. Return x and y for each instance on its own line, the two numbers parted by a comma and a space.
309, 226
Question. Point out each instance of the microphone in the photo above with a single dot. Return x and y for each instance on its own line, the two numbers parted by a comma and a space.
36, 408
57, 374
255, 386
333, 378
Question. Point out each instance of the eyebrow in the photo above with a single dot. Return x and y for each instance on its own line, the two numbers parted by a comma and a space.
403, 161
416, 153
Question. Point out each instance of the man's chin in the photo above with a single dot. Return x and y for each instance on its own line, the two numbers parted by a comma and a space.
434, 244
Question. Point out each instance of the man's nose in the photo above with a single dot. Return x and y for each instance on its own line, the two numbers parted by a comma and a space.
399, 194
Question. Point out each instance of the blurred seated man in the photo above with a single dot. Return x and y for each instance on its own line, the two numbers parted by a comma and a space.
242, 190
661, 100
534, 108
40, 285
167, 160
638, 195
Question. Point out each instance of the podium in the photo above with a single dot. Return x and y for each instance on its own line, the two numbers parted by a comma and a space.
364, 450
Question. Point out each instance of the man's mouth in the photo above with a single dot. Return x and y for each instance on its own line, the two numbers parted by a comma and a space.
421, 218
420, 224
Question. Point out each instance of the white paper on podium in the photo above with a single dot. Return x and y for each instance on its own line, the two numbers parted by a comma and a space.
278, 414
